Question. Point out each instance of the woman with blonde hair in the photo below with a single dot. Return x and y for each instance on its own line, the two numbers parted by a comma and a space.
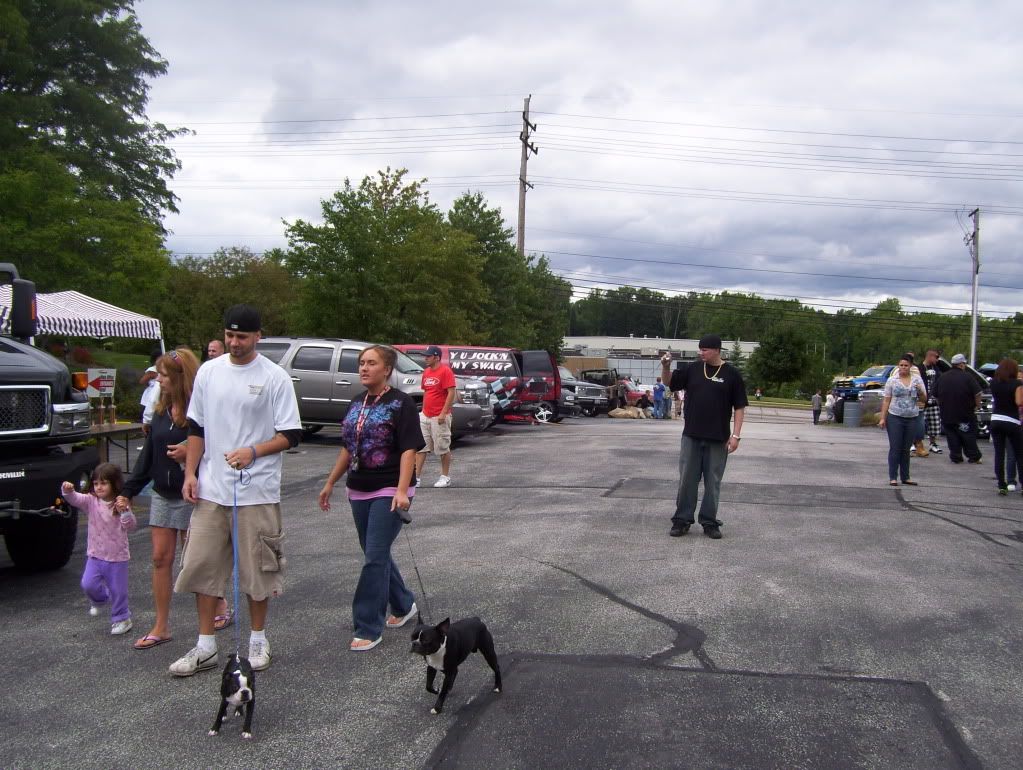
161, 462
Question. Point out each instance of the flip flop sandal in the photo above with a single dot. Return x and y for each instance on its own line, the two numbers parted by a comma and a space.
909, 483
220, 622
893, 483
148, 641
362, 645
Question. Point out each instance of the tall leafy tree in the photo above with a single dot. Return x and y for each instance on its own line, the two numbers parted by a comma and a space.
385, 265
504, 273
73, 84
781, 357
83, 173
199, 289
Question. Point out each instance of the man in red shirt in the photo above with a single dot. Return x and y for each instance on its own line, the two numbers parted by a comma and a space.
435, 420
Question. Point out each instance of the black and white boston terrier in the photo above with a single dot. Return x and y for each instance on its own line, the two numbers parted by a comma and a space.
238, 689
446, 645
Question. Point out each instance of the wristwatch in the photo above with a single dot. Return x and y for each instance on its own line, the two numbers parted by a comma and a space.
737, 438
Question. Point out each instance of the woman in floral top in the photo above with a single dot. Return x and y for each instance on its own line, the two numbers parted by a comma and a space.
904, 396
380, 436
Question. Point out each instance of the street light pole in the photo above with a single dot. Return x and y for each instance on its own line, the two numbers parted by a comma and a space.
975, 256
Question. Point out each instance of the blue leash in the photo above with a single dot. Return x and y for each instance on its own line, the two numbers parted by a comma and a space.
243, 480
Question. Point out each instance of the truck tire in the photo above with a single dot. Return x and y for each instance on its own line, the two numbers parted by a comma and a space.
42, 543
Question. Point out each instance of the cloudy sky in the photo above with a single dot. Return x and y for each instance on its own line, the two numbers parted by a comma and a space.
826, 151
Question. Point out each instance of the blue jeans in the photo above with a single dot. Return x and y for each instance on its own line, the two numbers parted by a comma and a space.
901, 434
700, 458
380, 582
658, 409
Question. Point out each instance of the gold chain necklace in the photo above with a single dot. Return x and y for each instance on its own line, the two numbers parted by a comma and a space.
715, 377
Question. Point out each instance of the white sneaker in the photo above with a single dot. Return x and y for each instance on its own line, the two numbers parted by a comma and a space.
259, 655
93, 610
121, 627
1011, 487
936, 449
443, 481
193, 661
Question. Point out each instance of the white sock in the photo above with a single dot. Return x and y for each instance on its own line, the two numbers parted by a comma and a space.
257, 636
207, 643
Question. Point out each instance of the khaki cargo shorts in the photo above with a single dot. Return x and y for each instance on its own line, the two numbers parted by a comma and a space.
208, 556
436, 434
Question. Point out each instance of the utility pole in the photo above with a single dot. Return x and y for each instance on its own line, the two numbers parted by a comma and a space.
527, 148
974, 241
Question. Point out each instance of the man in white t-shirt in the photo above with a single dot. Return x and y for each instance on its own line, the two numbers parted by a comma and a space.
242, 415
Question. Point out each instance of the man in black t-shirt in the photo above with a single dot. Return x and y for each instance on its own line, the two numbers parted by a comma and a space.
958, 396
714, 390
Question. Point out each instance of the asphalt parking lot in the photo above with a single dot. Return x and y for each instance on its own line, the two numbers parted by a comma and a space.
839, 623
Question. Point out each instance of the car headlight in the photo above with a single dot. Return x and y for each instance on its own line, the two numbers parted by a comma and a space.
70, 418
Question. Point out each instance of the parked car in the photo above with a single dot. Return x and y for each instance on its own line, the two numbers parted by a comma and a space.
526, 383
633, 392
873, 378
325, 373
590, 399
609, 379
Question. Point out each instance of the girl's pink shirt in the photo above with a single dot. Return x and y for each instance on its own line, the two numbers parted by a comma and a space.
108, 534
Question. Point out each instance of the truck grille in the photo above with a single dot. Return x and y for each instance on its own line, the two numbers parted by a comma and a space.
24, 409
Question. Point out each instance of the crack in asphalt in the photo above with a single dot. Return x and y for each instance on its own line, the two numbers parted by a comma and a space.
687, 638
980, 533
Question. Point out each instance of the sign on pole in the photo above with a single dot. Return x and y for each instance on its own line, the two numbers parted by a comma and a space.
101, 383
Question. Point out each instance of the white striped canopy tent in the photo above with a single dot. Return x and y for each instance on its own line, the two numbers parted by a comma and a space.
74, 314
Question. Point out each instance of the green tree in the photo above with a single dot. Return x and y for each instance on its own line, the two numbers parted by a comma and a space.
504, 274
385, 265
83, 173
547, 306
781, 357
199, 289
73, 85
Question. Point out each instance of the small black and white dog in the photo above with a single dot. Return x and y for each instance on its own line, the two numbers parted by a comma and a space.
238, 689
446, 645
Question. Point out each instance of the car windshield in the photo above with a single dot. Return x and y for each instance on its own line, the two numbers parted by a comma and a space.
565, 373
406, 365
273, 350
874, 371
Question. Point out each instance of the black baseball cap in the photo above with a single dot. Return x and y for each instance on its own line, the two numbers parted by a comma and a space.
432, 350
710, 341
242, 318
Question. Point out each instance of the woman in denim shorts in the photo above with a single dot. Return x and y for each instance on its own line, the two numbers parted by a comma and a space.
161, 463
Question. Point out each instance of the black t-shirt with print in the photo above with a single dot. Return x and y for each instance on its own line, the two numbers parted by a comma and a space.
711, 395
391, 427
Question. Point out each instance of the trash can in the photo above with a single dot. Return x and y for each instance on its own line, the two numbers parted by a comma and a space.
852, 413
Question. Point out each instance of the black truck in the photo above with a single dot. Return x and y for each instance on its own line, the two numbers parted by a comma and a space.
42, 418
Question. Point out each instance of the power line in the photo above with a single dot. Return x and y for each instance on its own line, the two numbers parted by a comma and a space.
765, 269
782, 130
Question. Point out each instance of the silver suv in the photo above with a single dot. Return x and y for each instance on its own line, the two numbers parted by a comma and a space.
325, 373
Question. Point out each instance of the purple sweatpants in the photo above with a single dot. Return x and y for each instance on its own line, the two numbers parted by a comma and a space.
105, 581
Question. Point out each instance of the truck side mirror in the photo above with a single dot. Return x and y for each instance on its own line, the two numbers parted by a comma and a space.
23, 308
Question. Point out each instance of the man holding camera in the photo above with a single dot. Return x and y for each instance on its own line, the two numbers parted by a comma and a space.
714, 390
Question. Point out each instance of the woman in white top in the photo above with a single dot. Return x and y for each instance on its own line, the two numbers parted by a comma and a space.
904, 396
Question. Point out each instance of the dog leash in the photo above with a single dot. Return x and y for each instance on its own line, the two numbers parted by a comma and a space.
243, 479
422, 588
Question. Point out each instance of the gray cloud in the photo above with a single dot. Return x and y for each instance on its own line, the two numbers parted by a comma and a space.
871, 79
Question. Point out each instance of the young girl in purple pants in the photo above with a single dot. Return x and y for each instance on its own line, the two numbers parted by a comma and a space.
106, 568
